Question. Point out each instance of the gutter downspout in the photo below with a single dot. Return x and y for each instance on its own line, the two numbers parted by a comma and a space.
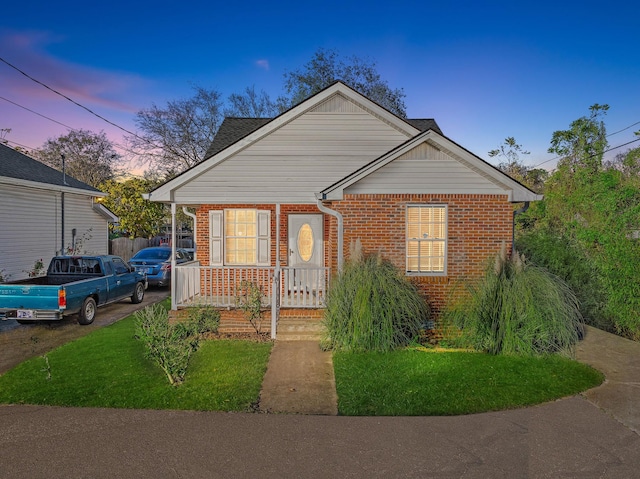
524, 208
275, 292
173, 257
338, 216
195, 231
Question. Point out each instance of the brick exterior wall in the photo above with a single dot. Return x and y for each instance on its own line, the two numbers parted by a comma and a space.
202, 240
478, 225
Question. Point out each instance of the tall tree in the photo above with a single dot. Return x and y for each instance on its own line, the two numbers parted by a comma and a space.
139, 218
326, 66
584, 143
509, 152
89, 157
176, 137
251, 104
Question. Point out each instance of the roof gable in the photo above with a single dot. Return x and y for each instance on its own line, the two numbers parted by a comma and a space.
430, 163
18, 166
337, 98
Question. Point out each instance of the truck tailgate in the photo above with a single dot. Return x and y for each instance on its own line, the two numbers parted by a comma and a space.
24, 301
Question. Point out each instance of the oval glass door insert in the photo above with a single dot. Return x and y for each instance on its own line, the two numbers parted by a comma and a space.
305, 242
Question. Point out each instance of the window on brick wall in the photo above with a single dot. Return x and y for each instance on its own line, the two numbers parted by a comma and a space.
426, 236
239, 237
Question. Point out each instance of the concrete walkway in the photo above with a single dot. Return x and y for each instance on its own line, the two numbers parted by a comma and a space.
619, 361
299, 380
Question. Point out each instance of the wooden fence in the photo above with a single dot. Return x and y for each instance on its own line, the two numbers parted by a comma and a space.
126, 248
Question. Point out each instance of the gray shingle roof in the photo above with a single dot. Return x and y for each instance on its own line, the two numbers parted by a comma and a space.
424, 124
234, 129
14, 164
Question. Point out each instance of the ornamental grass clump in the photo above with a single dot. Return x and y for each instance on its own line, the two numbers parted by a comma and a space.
171, 345
518, 308
372, 307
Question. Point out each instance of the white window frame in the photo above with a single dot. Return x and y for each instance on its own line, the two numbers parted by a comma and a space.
217, 237
445, 240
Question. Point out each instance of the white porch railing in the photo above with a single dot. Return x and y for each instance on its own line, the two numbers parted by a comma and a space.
218, 286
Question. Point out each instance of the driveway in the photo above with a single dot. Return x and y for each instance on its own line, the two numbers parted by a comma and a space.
19, 342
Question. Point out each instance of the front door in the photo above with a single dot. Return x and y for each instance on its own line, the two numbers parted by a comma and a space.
306, 252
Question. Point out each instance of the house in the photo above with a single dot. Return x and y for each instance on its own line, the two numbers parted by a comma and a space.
278, 202
43, 213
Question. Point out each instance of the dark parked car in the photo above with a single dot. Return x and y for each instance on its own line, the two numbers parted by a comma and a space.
155, 262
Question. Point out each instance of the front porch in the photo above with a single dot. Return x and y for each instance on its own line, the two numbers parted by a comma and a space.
289, 288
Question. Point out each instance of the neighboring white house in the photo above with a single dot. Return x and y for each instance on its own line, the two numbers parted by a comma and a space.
42, 214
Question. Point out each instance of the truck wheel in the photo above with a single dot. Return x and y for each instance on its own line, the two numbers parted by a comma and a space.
138, 294
88, 311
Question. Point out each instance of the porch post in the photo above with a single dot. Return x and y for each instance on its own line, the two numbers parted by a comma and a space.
173, 257
276, 278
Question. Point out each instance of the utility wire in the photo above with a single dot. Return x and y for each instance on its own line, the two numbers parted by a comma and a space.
620, 131
19, 144
605, 151
76, 103
610, 134
121, 147
35, 112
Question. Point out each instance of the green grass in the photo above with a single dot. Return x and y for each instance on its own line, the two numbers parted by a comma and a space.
108, 369
413, 382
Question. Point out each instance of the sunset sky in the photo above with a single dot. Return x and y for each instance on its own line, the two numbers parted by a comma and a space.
483, 70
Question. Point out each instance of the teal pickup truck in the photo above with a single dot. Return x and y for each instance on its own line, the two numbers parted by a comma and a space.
72, 285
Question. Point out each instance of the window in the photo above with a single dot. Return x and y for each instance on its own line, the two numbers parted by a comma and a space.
239, 237
426, 239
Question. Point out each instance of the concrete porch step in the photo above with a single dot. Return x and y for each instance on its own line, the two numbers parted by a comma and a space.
299, 329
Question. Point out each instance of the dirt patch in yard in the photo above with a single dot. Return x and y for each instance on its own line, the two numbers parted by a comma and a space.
25, 341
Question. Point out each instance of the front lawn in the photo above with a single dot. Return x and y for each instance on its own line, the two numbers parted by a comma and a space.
414, 382
108, 369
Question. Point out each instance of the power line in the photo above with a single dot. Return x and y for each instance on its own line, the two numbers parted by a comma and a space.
19, 144
35, 112
121, 147
610, 134
76, 103
605, 151
620, 131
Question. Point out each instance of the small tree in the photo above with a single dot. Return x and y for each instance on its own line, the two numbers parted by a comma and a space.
171, 345
139, 218
249, 299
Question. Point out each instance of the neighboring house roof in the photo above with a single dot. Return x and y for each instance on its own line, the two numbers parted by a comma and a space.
18, 166
337, 137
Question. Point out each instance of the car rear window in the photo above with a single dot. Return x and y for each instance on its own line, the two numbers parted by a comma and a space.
153, 254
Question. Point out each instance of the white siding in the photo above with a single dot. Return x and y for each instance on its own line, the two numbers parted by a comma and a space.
30, 223
91, 227
426, 169
302, 157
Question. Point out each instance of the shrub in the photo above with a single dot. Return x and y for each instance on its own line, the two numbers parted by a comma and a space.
206, 319
518, 308
249, 299
564, 258
171, 345
372, 307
